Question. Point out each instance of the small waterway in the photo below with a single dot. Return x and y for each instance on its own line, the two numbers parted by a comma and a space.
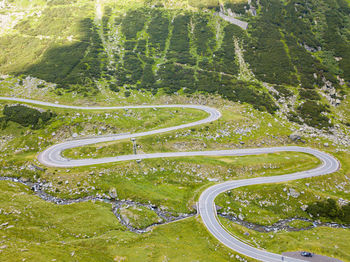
167, 217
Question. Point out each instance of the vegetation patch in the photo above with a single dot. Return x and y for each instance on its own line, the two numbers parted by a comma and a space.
26, 116
330, 209
139, 217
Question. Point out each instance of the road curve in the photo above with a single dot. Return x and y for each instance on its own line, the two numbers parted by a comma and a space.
52, 157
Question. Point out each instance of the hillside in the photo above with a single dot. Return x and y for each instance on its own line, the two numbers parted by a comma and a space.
294, 55
280, 79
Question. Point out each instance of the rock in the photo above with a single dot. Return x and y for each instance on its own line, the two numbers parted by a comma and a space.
75, 135
326, 144
113, 193
304, 207
294, 137
294, 193
218, 207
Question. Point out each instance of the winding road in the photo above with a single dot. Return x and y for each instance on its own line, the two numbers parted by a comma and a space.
52, 157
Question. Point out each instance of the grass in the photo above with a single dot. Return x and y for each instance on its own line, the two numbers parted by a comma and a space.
312, 240
174, 184
266, 204
171, 183
299, 224
89, 231
41, 231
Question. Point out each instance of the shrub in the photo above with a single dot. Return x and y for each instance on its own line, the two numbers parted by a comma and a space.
133, 23
330, 209
309, 94
114, 87
179, 49
26, 116
158, 31
283, 91
312, 113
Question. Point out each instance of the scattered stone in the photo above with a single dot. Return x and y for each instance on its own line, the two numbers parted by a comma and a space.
113, 193
304, 207
294, 193
294, 137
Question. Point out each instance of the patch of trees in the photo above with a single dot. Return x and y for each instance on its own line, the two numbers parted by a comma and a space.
330, 209
267, 53
133, 67
238, 8
105, 19
306, 65
204, 37
312, 113
141, 47
133, 23
225, 57
250, 93
158, 31
26, 116
179, 49
309, 94
284, 37
283, 91
148, 79
129, 45
175, 77
92, 65
336, 36
76, 64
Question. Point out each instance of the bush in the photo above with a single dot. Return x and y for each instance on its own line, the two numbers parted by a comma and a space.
158, 31
311, 112
330, 209
133, 23
114, 87
26, 116
283, 91
309, 94
179, 49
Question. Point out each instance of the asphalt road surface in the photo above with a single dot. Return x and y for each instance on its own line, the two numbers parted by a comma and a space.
52, 156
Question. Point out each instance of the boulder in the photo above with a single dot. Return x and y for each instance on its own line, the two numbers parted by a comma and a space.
294, 137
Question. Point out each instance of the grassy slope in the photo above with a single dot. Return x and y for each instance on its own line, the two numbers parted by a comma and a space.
173, 184
161, 187
266, 204
39, 231
312, 240
139, 217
